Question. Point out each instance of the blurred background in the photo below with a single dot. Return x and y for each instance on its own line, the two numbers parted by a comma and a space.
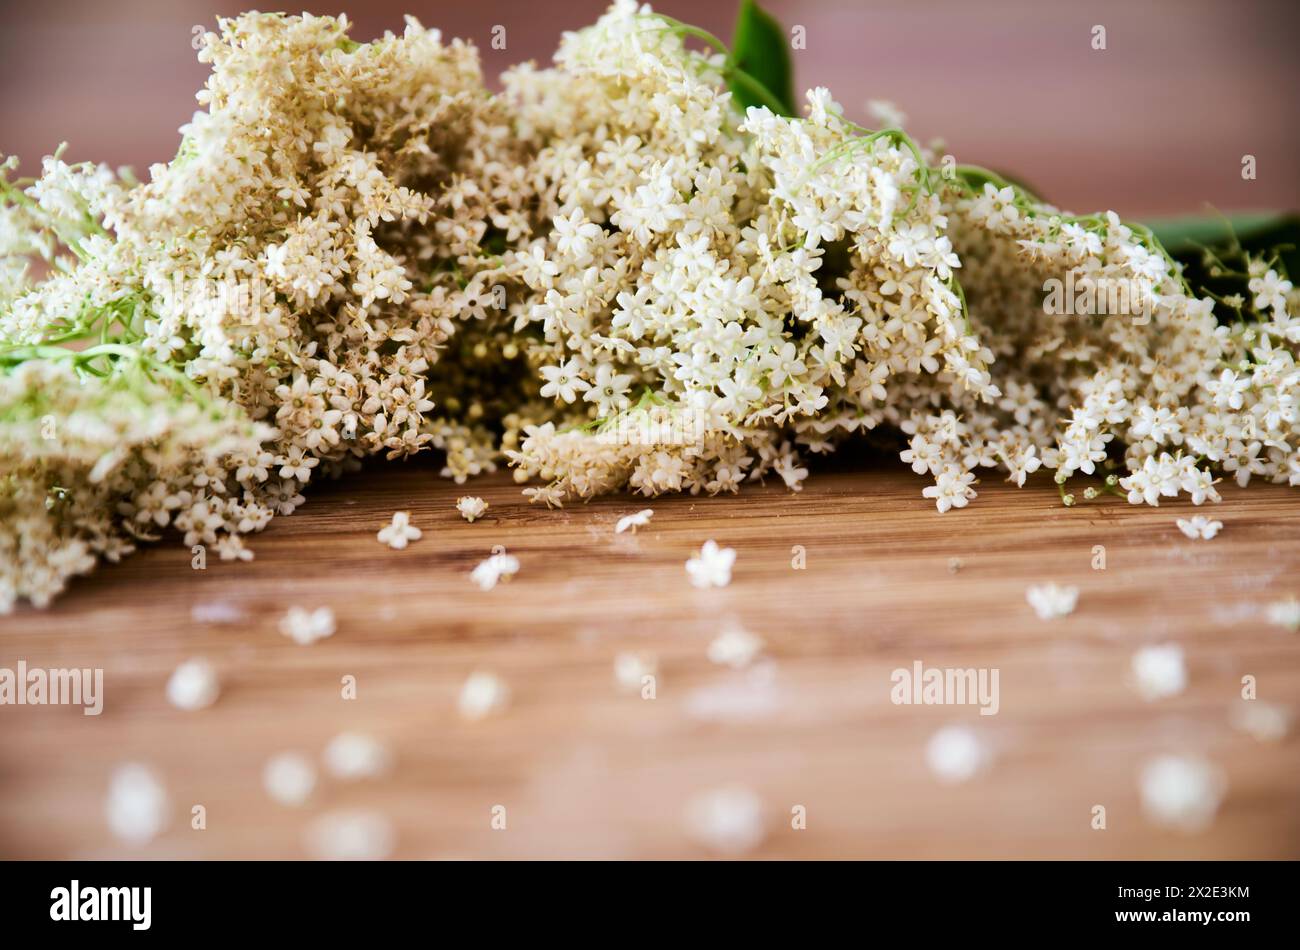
1156, 123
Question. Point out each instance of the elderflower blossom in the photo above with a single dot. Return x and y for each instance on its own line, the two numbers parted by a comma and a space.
735, 647
354, 755
1285, 613
1264, 722
488, 573
137, 804
728, 820
1181, 792
305, 627
1051, 601
350, 835
400, 532
608, 275
1199, 527
956, 754
193, 685
687, 265
1159, 671
289, 778
273, 301
633, 521
471, 507
482, 695
712, 566
632, 669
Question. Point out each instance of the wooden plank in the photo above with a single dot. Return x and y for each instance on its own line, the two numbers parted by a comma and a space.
587, 770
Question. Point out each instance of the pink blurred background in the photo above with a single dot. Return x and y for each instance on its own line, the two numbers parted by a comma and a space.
1155, 124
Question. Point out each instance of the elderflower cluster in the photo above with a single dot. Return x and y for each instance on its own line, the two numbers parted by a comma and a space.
1136, 394
92, 466
332, 218
729, 284
608, 275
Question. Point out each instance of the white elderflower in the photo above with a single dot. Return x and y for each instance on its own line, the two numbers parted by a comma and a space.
137, 804
1199, 526
631, 670
1159, 671
289, 778
712, 566
482, 695
886, 113
633, 521
606, 275
951, 488
1181, 792
471, 507
400, 532
350, 835
955, 754
193, 685
353, 755
305, 627
319, 292
1264, 722
500, 566
564, 382
1051, 601
728, 820
735, 647
1285, 613
216, 612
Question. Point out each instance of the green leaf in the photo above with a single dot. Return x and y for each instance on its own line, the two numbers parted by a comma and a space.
760, 54
1183, 234
1259, 233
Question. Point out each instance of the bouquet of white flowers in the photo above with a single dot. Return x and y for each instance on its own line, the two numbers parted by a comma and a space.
637, 269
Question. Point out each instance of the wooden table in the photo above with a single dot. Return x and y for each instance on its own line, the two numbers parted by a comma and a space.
587, 770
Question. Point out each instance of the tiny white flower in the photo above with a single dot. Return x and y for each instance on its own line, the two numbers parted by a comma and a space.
307, 626
1051, 601
482, 695
471, 507
137, 804
712, 566
1199, 526
563, 381
1264, 722
1159, 671
353, 835
886, 113
631, 669
352, 755
193, 685
1285, 613
216, 612
289, 778
735, 647
400, 532
633, 521
496, 568
727, 820
955, 754
952, 488
1181, 792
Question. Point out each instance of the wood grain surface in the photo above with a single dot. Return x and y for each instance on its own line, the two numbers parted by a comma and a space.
587, 770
